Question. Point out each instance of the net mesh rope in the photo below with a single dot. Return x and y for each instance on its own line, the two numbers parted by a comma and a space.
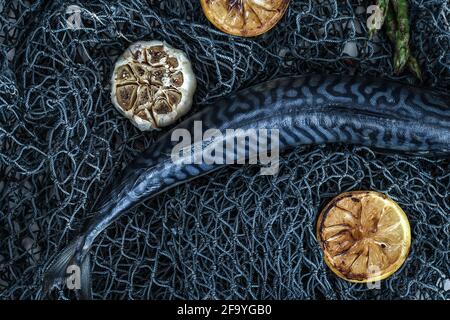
231, 234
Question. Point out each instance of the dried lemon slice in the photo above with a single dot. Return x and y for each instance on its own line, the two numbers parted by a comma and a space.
246, 18
365, 236
153, 84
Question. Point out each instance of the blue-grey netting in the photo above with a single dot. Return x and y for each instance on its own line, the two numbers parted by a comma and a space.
231, 234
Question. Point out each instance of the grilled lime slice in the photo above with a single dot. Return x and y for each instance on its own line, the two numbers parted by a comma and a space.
365, 236
246, 18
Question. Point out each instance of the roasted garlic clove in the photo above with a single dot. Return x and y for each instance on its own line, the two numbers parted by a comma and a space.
153, 84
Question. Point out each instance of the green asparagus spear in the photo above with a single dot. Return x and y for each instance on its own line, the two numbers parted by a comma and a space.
392, 33
402, 35
390, 25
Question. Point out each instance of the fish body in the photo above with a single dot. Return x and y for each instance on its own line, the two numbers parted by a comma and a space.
313, 109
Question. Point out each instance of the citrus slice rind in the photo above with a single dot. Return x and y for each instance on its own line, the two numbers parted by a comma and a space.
365, 236
247, 18
153, 84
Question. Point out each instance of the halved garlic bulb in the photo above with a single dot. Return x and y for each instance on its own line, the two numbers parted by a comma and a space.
153, 84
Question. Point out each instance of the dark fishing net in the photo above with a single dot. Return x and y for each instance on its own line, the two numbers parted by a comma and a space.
231, 234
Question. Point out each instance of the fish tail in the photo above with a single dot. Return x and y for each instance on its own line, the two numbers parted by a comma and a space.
70, 268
